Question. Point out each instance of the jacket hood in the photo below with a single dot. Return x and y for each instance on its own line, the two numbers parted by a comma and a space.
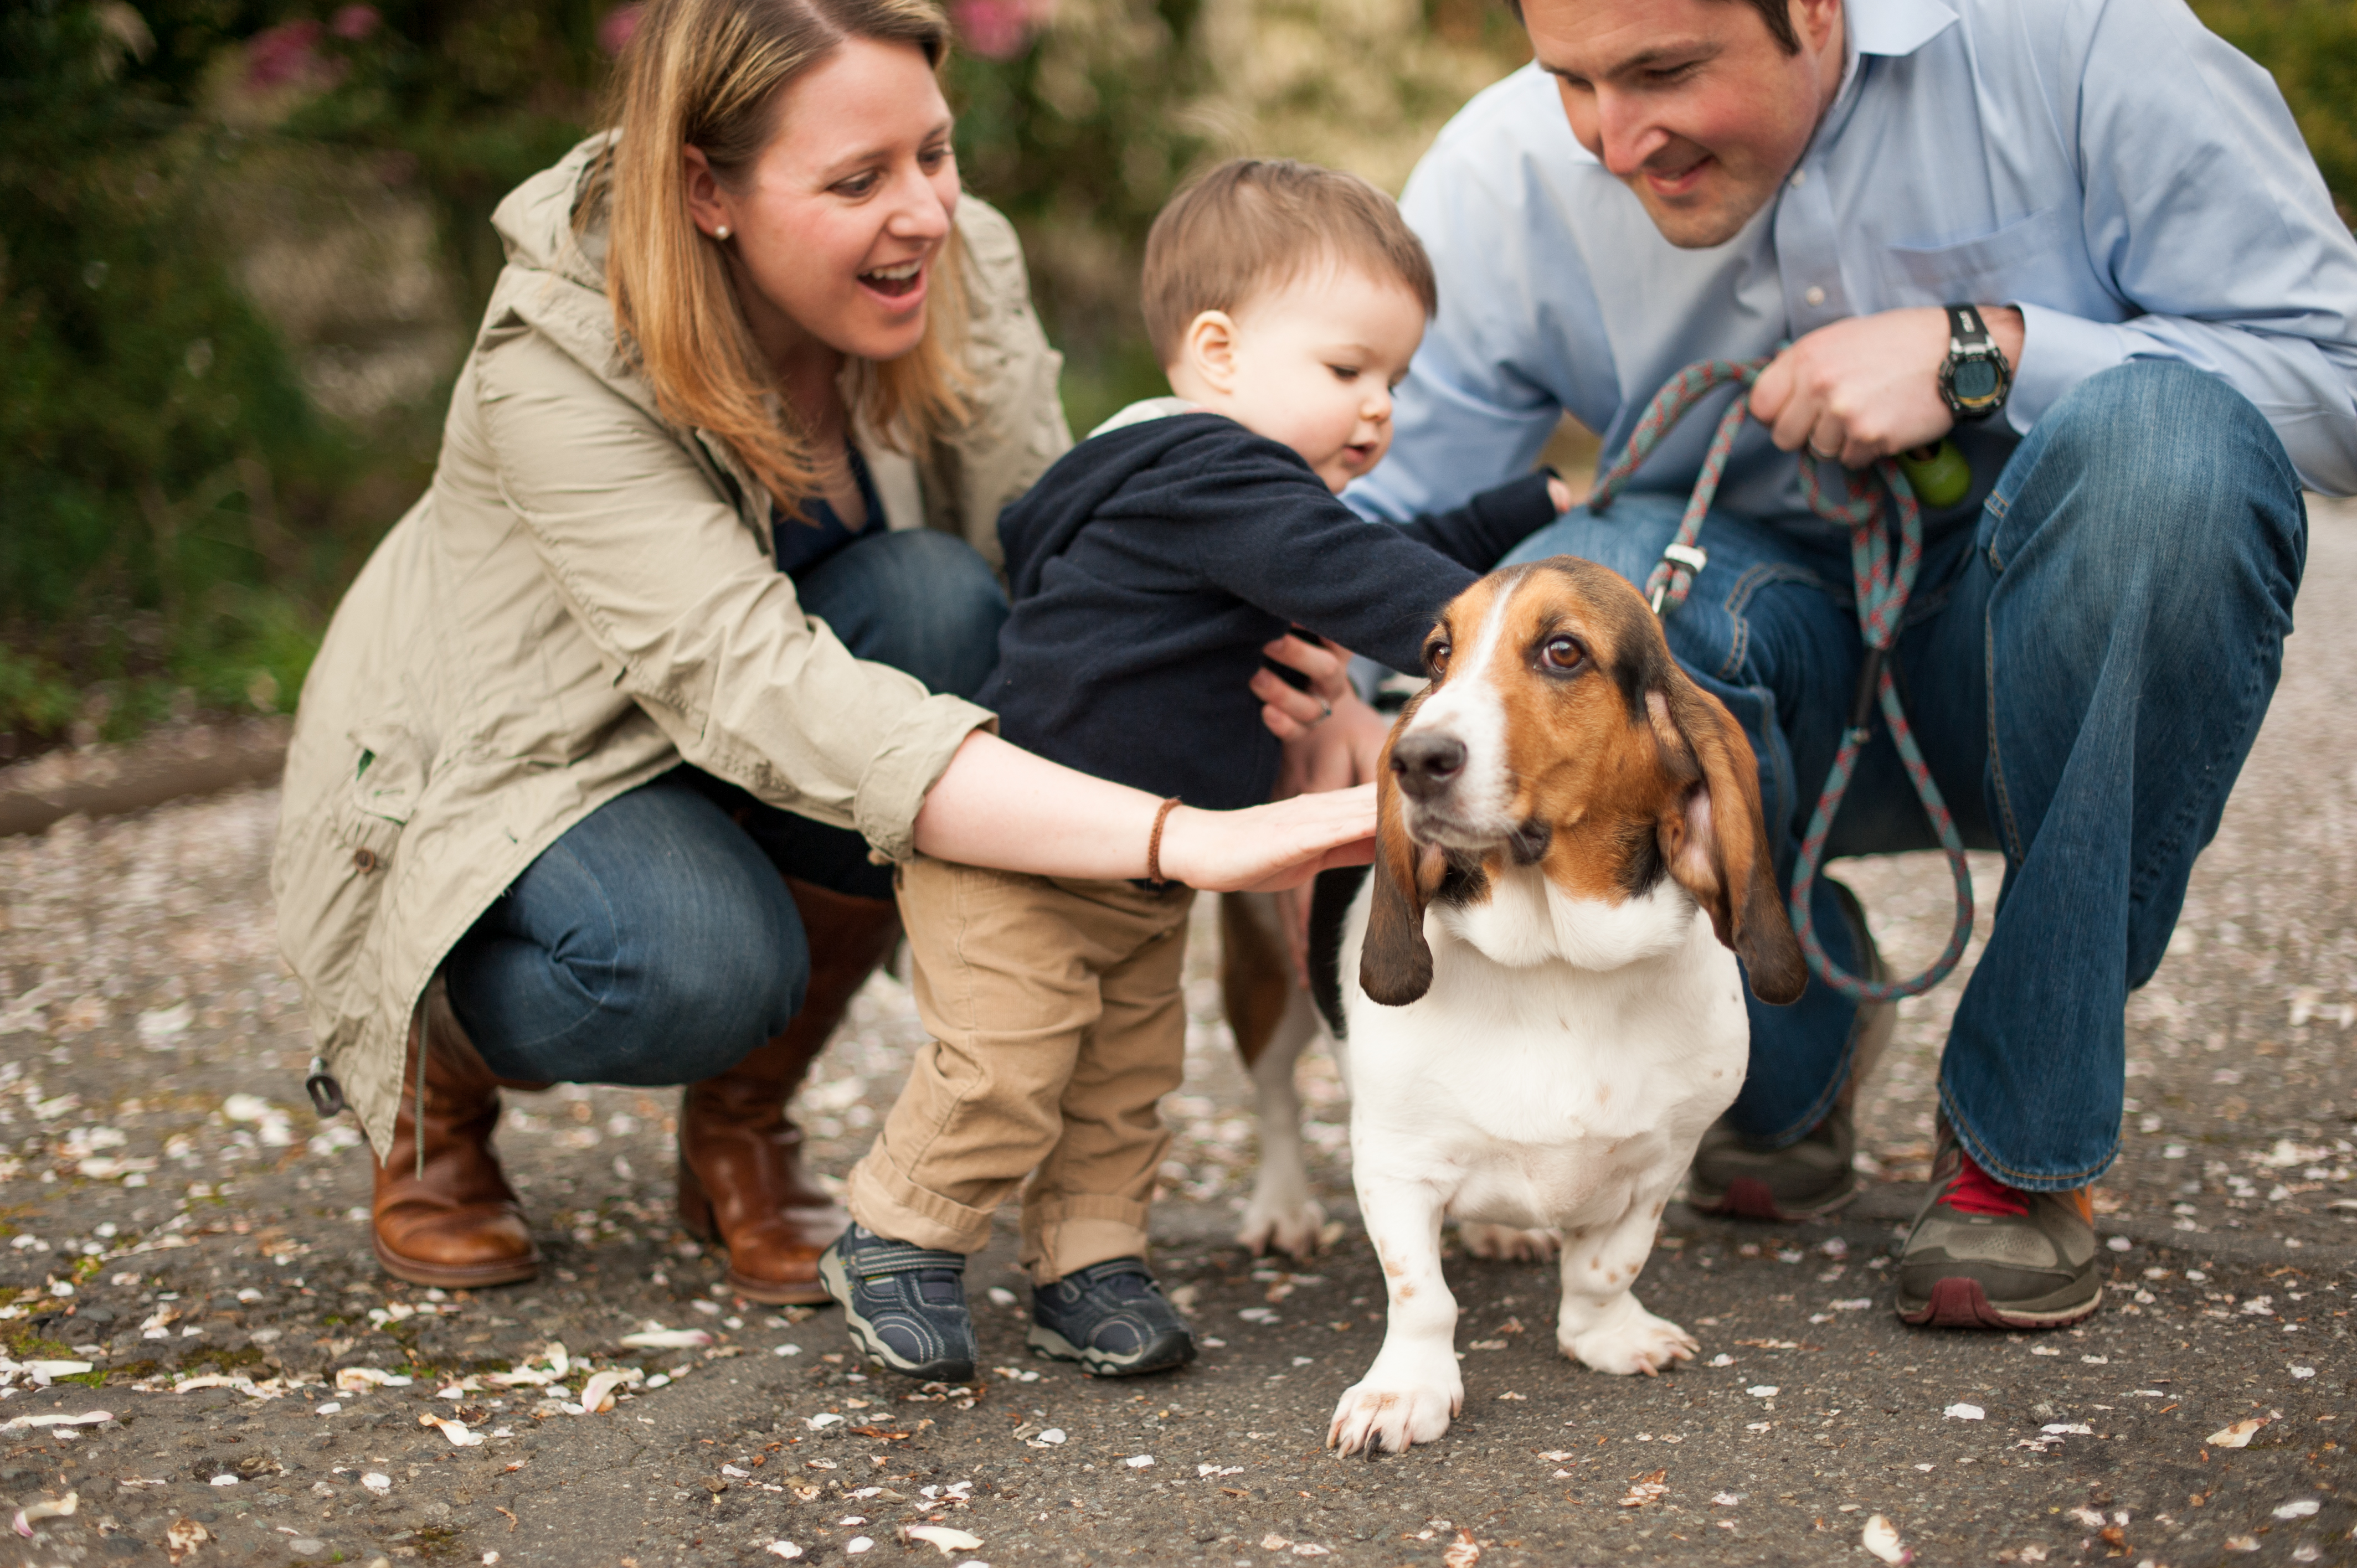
535, 221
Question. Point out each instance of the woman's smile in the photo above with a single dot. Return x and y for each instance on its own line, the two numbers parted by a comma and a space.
902, 282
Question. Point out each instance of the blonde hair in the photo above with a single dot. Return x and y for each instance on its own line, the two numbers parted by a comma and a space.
711, 74
1258, 223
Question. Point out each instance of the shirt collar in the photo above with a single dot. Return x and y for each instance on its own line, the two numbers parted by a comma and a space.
1895, 26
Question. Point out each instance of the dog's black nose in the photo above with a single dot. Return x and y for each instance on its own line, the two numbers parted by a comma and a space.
1427, 764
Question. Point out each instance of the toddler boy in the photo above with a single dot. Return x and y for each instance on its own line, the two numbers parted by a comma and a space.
1149, 568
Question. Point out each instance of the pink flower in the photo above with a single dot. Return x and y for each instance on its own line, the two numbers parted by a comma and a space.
617, 27
287, 52
353, 23
995, 29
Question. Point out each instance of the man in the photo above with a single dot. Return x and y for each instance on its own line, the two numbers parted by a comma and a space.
2156, 349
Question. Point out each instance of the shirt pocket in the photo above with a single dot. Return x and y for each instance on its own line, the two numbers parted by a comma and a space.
2029, 258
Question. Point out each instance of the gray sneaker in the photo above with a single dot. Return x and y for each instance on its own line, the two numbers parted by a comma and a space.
1815, 1177
904, 1305
1984, 1255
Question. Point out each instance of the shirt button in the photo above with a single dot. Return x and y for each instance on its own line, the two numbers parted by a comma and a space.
1815, 294
1800, 178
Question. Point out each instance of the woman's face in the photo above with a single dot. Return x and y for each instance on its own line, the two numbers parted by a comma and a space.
836, 229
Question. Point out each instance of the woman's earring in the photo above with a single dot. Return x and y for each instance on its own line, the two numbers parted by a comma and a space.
721, 232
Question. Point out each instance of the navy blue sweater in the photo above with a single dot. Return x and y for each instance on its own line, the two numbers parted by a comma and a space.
1151, 562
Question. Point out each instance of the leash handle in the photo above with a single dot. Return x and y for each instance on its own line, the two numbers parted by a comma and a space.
1883, 587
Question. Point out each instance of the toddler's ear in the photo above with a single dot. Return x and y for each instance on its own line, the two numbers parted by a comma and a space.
1208, 350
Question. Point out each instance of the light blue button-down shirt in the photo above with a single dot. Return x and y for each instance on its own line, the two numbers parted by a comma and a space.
2124, 177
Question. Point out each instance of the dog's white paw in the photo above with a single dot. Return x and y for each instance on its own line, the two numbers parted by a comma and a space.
1629, 1339
1396, 1405
1281, 1226
1503, 1243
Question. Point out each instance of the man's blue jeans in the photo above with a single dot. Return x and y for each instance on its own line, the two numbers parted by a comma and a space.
2086, 663
655, 942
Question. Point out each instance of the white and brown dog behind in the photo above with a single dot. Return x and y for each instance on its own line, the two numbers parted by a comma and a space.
1536, 985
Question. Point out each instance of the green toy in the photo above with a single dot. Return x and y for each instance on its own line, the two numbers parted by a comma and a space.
1940, 475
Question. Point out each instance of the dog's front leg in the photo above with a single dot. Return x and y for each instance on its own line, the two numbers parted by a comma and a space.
1601, 1322
1414, 1388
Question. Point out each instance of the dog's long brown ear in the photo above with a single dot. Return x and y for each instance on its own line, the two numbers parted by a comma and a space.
1394, 961
1715, 838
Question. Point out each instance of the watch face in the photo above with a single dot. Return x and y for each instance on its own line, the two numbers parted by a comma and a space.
1973, 380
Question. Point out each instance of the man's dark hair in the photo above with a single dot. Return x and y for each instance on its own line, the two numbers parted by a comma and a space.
1777, 14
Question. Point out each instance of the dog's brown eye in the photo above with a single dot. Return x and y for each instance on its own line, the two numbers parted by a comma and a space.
1436, 659
1563, 653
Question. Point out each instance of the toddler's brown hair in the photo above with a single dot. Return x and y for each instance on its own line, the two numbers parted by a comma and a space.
1257, 224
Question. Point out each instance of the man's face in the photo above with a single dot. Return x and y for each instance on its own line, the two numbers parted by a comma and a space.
1692, 104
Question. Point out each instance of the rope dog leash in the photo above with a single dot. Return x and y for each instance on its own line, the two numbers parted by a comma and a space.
1882, 586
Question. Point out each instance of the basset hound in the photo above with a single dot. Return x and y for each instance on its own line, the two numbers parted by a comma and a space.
1536, 982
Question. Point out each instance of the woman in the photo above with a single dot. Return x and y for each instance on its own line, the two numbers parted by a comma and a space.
604, 758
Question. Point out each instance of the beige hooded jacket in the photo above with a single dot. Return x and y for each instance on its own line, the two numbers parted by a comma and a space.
586, 596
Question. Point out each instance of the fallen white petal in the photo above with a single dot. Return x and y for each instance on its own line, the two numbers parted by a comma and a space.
943, 1537
822, 1422
2238, 1435
784, 1549
597, 1394
87, 1418
377, 1481
360, 1379
455, 1431
225, 1480
856, 1545
668, 1340
1053, 1434
1138, 1461
1881, 1539
1761, 1391
2301, 1508
61, 1508
1962, 1412
2067, 1429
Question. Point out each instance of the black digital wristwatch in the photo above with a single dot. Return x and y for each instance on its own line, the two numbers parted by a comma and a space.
1973, 378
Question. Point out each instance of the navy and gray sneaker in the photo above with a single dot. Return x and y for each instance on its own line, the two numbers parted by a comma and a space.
1112, 1318
905, 1304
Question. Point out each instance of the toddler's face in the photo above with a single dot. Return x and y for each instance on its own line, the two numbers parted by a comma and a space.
1312, 364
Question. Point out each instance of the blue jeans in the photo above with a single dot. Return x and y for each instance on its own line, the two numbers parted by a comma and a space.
655, 942
2086, 661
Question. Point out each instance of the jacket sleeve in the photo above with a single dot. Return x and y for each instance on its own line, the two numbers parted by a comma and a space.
694, 621
1479, 533
2208, 217
1261, 526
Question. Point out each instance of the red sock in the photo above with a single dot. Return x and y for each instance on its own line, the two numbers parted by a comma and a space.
1975, 1191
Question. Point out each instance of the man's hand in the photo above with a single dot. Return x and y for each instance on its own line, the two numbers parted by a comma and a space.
1868, 387
1332, 740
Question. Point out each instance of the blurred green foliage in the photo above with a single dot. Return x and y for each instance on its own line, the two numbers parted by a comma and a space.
2311, 48
179, 512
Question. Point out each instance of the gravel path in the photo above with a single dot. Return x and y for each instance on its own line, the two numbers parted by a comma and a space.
172, 1214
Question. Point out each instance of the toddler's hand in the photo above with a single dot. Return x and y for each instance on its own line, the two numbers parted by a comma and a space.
1560, 494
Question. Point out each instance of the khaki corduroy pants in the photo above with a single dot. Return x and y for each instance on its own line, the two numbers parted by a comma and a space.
1058, 1023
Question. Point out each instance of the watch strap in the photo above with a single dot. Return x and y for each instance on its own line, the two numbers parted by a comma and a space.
1967, 333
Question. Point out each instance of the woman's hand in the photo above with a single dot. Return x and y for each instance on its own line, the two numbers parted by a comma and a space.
1265, 848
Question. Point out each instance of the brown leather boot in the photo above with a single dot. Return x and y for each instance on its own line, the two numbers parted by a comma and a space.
741, 1181
458, 1224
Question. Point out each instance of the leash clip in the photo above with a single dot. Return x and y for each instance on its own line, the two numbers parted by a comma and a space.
1693, 557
